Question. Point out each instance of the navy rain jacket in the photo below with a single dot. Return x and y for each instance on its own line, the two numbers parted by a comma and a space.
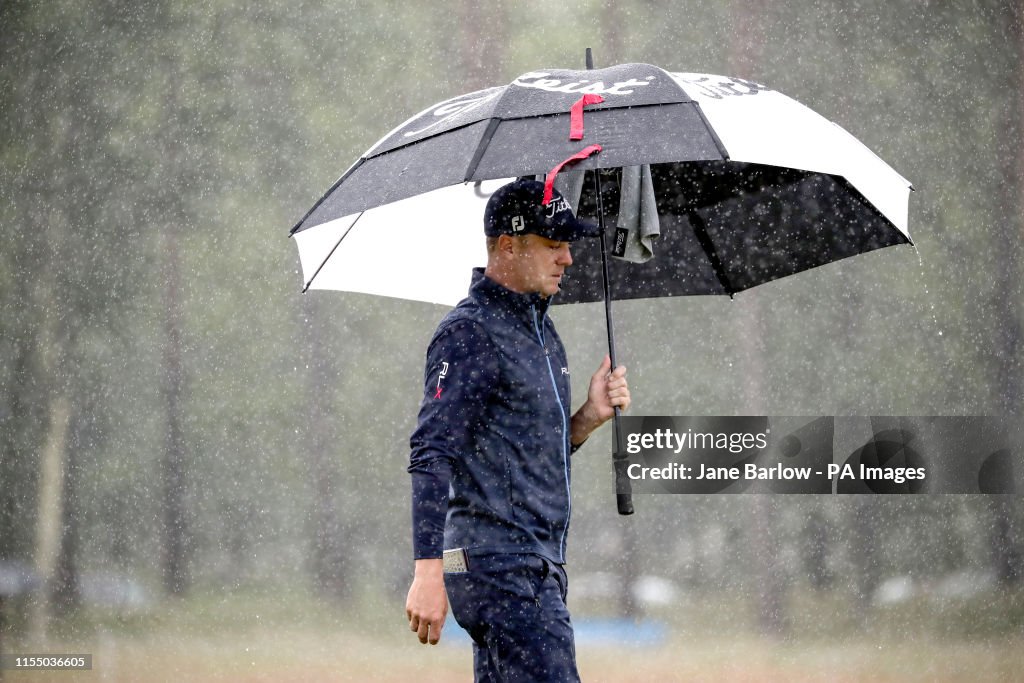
494, 424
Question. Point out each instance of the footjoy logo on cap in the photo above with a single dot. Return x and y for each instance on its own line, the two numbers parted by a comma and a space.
518, 224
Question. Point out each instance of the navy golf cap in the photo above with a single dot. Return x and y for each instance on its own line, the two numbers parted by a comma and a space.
517, 209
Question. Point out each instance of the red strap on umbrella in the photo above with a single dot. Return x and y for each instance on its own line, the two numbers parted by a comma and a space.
576, 115
550, 180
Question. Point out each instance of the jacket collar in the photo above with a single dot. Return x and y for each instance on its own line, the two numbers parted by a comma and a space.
490, 293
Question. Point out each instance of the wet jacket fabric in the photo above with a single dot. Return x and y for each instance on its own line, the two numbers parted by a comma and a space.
490, 454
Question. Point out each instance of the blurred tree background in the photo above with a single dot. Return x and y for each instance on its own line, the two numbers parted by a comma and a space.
175, 415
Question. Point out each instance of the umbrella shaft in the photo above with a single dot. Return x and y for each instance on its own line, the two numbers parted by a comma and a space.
606, 281
624, 501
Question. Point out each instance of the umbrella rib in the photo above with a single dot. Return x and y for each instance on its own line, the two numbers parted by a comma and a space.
700, 229
485, 140
347, 231
711, 131
320, 201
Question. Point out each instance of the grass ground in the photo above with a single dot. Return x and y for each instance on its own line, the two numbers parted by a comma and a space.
342, 656
250, 638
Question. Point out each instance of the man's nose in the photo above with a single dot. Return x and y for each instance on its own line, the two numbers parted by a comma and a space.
565, 256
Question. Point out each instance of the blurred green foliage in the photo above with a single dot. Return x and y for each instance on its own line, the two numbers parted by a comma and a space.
220, 123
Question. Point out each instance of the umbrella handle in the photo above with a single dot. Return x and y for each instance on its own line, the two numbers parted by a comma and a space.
620, 461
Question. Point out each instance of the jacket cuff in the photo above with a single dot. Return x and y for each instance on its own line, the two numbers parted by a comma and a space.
429, 509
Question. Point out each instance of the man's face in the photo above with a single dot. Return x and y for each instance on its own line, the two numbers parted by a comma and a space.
539, 263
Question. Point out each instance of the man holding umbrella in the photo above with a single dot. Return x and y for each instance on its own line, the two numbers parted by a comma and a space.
490, 455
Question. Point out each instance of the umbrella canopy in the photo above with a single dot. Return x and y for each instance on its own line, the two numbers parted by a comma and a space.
750, 186
741, 184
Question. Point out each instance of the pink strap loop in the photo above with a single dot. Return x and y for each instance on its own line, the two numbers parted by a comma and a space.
576, 115
550, 180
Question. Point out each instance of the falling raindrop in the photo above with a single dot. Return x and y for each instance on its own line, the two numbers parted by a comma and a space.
924, 280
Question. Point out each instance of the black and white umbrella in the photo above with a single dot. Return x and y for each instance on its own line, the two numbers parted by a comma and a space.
744, 185
751, 186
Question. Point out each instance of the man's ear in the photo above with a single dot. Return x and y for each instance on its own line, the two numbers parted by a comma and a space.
506, 244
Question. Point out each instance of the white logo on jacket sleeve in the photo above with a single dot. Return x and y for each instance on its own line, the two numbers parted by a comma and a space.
440, 376
565, 371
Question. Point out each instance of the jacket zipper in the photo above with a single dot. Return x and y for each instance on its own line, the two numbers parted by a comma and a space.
565, 429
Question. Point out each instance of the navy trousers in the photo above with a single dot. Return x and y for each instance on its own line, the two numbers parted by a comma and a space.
513, 607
